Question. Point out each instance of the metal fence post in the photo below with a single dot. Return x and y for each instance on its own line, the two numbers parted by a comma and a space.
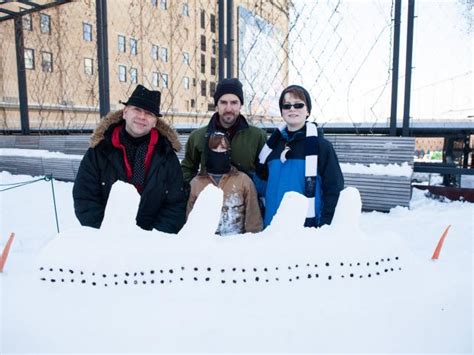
408, 70
221, 54
230, 38
21, 72
103, 57
395, 63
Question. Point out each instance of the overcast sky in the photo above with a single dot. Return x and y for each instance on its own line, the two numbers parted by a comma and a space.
343, 54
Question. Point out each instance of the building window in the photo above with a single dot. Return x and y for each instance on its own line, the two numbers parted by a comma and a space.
121, 44
47, 62
203, 64
164, 78
203, 43
133, 75
29, 58
87, 32
163, 4
212, 88
155, 79
155, 51
164, 54
133, 46
186, 58
26, 21
45, 23
203, 19
88, 66
194, 82
214, 47
193, 103
154, 3
186, 82
185, 9
203, 87
213, 23
122, 73
213, 66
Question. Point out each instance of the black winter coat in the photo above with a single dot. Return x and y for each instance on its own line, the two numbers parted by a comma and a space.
162, 202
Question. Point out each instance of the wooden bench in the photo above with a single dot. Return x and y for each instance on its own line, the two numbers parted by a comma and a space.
64, 169
378, 192
67, 144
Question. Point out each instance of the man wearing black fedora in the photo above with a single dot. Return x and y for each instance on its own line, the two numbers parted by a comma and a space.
246, 140
133, 145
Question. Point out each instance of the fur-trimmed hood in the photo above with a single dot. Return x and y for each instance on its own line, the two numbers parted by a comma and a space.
115, 117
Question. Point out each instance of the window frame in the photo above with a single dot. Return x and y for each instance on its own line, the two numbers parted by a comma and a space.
133, 46
185, 10
155, 79
31, 59
91, 73
155, 51
203, 19
42, 24
26, 20
203, 64
49, 69
87, 34
121, 45
212, 22
213, 66
164, 54
122, 73
164, 80
186, 58
212, 88
133, 75
203, 43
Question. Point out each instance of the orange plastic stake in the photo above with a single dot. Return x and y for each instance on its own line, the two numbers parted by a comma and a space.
440, 244
5, 252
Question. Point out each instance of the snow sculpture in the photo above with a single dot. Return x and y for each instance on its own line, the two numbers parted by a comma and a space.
120, 254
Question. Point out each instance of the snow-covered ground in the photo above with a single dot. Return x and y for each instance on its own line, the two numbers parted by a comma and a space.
313, 293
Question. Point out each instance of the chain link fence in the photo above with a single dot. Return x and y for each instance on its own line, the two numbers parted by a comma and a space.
341, 51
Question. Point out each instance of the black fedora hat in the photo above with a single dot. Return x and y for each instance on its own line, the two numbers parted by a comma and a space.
145, 99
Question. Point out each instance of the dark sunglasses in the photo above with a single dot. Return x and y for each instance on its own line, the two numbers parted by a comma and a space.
289, 106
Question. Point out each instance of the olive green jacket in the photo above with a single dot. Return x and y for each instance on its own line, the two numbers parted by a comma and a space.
245, 147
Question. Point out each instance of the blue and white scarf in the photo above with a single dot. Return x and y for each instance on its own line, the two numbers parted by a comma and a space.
311, 164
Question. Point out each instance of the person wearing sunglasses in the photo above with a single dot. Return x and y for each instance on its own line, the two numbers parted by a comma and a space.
296, 158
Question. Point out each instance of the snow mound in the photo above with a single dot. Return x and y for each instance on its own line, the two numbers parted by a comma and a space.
121, 254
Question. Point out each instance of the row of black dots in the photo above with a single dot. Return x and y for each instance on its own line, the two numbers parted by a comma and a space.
115, 275
116, 283
207, 279
64, 270
234, 269
267, 280
265, 269
369, 275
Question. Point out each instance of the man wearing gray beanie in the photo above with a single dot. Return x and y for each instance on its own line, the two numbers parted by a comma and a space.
246, 140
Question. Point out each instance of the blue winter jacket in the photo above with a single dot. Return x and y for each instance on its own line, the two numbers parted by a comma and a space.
290, 176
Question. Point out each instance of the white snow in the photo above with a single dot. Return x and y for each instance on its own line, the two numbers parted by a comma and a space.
378, 169
372, 169
37, 153
422, 306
